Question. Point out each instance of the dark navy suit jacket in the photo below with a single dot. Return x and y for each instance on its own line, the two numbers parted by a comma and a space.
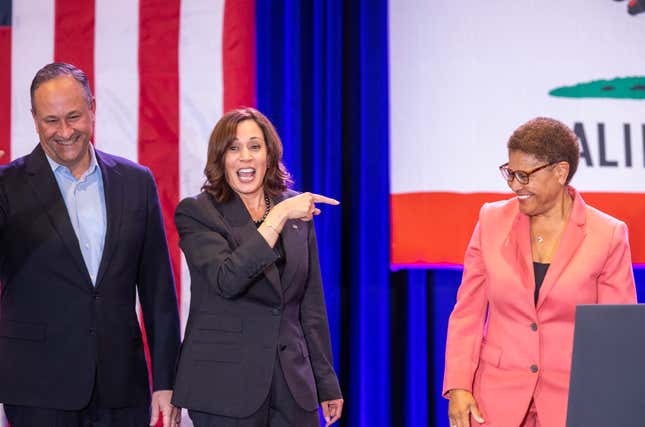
59, 333
243, 314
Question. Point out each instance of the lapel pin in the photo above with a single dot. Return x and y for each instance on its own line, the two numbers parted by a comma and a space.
294, 226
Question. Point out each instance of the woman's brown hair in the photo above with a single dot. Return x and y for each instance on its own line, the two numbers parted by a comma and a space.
276, 180
549, 140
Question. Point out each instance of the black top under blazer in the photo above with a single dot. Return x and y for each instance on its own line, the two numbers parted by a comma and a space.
58, 333
243, 315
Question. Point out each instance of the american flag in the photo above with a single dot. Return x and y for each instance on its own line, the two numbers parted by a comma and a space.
162, 72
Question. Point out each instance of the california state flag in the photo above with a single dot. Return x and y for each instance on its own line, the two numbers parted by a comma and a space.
464, 76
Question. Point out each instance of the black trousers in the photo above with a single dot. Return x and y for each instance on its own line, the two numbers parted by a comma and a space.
93, 415
278, 410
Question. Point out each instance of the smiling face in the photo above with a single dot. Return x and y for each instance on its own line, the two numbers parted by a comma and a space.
245, 160
544, 189
64, 122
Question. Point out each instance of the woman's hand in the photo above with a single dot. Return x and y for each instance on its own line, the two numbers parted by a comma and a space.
303, 206
332, 410
462, 405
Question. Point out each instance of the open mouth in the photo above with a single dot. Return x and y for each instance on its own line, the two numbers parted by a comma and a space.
246, 174
524, 196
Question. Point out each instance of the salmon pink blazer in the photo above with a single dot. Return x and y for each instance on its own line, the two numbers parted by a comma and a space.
503, 347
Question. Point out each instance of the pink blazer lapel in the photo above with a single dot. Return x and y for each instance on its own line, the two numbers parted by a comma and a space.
574, 234
518, 244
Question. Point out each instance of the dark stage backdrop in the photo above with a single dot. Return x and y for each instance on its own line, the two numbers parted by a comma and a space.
322, 78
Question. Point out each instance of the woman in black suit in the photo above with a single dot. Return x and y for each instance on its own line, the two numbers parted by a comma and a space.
257, 350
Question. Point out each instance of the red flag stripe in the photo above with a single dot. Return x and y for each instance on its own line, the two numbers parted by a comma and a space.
5, 93
434, 228
238, 53
159, 107
74, 35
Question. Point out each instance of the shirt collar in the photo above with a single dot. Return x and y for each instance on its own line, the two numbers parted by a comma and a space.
57, 167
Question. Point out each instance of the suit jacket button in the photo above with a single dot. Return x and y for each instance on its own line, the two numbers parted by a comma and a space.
92, 332
534, 326
276, 311
534, 368
283, 347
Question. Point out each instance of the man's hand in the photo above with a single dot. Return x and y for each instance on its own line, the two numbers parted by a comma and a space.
161, 405
332, 410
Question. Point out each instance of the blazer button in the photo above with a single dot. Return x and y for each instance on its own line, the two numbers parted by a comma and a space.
534, 326
92, 332
283, 347
276, 311
534, 368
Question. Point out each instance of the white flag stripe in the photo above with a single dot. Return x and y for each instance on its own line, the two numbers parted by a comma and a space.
200, 101
116, 76
32, 46
200, 87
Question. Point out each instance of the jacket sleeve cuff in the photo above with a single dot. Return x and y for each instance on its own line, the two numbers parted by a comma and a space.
264, 255
329, 390
457, 381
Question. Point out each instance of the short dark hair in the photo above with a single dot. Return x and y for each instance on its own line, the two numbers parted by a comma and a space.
549, 140
277, 179
57, 69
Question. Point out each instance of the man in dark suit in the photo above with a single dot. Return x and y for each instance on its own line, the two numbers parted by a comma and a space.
80, 232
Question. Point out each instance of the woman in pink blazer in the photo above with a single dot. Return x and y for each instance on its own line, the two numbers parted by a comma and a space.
530, 261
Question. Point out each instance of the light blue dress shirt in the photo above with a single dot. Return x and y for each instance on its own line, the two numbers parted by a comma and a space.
85, 202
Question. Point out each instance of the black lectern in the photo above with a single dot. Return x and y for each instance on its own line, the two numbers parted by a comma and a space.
608, 367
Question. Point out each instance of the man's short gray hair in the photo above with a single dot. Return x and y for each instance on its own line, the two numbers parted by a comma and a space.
57, 69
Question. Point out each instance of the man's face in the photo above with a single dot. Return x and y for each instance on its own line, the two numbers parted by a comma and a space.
64, 122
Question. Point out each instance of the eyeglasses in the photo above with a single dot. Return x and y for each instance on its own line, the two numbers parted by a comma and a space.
521, 176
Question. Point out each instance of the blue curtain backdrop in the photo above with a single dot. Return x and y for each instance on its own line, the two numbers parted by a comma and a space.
323, 81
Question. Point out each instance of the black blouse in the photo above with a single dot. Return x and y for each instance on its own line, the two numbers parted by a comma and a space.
539, 270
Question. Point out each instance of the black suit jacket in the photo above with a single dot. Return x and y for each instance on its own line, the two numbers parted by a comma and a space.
57, 331
243, 314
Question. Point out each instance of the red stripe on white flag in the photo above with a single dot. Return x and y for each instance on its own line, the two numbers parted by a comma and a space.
74, 35
239, 54
159, 106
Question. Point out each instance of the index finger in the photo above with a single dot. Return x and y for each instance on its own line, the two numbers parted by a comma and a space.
319, 198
